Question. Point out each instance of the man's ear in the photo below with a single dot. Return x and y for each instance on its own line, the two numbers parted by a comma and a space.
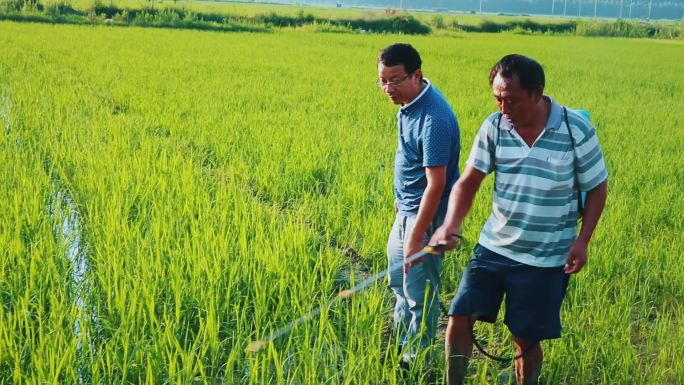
538, 94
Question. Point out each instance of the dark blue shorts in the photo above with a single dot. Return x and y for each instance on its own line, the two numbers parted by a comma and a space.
533, 294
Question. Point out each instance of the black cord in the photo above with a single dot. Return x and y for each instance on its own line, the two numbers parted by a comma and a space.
489, 355
480, 348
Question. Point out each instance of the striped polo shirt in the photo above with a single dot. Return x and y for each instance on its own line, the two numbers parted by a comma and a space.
534, 211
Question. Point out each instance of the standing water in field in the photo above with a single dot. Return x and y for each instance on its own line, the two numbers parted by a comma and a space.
5, 107
66, 226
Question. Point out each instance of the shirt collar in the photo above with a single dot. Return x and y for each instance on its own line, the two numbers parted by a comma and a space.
555, 115
552, 123
407, 106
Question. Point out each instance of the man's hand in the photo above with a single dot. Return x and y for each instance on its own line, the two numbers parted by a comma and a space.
577, 257
596, 201
446, 237
413, 244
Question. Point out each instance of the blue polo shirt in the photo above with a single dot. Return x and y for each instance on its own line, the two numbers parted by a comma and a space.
429, 136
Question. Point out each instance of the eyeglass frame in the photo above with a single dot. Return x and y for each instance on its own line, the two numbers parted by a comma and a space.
395, 83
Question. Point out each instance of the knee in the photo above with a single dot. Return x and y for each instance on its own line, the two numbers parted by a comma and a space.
526, 346
458, 328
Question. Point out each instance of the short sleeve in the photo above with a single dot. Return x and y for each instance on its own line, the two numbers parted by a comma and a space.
589, 165
483, 151
437, 143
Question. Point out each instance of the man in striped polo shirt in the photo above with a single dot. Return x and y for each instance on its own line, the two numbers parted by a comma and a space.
529, 245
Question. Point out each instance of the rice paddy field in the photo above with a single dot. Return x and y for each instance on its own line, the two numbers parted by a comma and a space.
170, 196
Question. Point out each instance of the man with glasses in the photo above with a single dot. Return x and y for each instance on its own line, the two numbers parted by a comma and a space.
543, 155
425, 168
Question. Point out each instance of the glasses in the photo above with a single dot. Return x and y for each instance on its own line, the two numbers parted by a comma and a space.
393, 83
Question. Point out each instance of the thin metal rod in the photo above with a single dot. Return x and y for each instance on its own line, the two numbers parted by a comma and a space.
256, 346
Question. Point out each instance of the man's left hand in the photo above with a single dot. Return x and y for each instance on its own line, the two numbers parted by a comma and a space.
413, 244
577, 257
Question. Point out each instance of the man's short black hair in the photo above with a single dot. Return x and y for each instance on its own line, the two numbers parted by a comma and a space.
526, 71
401, 53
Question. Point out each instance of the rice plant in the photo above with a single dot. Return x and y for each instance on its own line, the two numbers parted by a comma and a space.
225, 184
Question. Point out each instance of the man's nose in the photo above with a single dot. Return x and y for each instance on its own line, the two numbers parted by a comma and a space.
503, 108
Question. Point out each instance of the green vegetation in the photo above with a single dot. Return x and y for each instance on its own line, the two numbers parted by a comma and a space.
227, 183
186, 18
229, 17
